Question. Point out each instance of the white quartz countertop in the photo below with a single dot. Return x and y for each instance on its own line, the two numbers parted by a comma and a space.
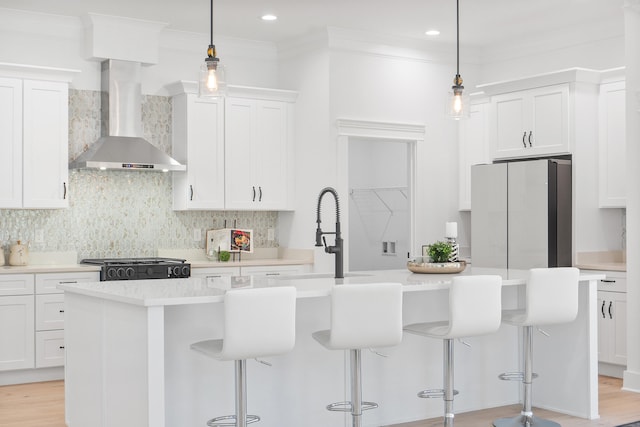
163, 292
47, 268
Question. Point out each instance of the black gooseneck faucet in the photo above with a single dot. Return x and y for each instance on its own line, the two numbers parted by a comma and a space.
338, 249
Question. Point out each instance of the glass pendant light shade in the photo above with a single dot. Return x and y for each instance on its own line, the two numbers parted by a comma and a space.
212, 81
457, 101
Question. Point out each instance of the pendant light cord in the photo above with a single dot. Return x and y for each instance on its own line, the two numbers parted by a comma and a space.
211, 23
457, 37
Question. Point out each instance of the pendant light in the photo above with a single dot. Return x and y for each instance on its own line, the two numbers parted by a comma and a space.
212, 82
458, 102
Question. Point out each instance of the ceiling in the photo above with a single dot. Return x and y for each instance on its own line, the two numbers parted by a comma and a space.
482, 22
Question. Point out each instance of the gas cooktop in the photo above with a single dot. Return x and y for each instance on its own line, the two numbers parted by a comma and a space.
140, 268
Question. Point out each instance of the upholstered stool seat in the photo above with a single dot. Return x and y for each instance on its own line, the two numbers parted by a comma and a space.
362, 316
475, 305
551, 298
258, 322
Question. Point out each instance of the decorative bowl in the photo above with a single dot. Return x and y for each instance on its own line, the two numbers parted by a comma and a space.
423, 266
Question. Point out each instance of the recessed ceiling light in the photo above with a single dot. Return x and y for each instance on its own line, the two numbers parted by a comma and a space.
269, 17
432, 33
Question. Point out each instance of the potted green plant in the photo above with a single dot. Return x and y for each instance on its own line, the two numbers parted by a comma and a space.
439, 251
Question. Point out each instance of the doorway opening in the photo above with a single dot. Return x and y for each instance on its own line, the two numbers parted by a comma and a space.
379, 230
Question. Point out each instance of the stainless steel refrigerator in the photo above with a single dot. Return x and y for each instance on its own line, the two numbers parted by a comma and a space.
521, 214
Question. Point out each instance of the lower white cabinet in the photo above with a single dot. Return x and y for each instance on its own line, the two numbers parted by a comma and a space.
32, 318
16, 332
612, 319
274, 270
49, 348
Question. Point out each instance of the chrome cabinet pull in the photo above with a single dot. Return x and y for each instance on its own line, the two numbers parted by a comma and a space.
66, 282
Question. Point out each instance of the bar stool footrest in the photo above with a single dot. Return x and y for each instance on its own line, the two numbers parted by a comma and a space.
347, 407
515, 376
221, 421
433, 393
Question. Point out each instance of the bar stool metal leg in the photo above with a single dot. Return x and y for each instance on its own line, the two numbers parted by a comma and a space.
526, 417
240, 419
449, 392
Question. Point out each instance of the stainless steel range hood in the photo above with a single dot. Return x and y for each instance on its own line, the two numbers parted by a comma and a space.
121, 145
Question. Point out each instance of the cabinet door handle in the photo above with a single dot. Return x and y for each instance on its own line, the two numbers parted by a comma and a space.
64, 193
602, 309
272, 274
61, 347
607, 281
610, 315
523, 137
530, 132
254, 194
191, 192
66, 282
61, 311
260, 198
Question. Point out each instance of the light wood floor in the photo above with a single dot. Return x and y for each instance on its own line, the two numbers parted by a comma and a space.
42, 405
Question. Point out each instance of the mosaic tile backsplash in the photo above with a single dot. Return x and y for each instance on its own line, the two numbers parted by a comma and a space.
122, 213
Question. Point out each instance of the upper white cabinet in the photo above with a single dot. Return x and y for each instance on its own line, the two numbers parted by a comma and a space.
257, 154
11, 143
531, 123
198, 141
34, 135
612, 146
473, 149
238, 150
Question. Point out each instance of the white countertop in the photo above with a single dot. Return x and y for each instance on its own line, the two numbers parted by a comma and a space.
162, 292
47, 268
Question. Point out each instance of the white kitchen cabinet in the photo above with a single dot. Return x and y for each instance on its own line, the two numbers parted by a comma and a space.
612, 146
49, 348
16, 284
473, 149
198, 142
238, 150
215, 272
16, 332
257, 154
49, 312
34, 135
612, 319
47, 283
11, 143
530, 123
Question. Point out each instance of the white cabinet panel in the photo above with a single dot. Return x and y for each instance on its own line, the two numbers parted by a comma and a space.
49, 349
531, 123
612, 146
274, 270
10, 143
473, 149
16, 332
612, 327
49, 312
47, 283
215, 272
46, 146
198, 142
16, 284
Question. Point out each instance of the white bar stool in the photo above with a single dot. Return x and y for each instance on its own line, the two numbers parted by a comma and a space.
551, 297
475, 304
362, 316
258, 322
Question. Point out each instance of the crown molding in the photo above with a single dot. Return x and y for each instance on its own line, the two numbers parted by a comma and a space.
37, 72
268, 94
389, 130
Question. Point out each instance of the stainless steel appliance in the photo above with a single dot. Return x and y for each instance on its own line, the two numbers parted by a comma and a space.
141, 268
521, 214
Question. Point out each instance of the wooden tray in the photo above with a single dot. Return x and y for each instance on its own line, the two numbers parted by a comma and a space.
417, 266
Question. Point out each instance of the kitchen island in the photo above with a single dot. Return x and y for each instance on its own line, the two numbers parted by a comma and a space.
128, 361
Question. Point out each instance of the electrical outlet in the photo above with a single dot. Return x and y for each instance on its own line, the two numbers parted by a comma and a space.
271, 234
38, 236
197, 235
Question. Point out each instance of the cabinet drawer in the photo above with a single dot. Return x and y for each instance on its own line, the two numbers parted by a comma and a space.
49, 349
16, 284
48, 283
613, 284
49, 312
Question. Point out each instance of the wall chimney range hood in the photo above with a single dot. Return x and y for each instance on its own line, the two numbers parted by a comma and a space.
121, 145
